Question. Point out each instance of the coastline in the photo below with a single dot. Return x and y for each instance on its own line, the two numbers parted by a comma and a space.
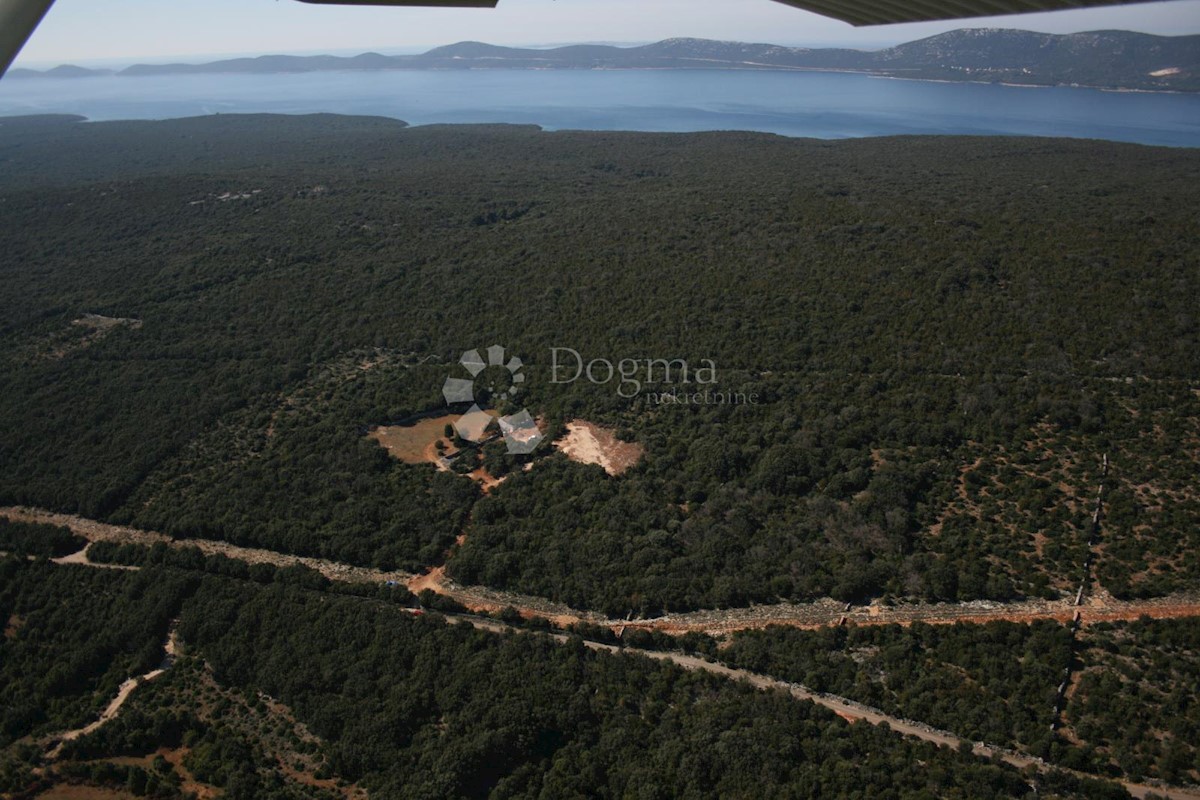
731, 67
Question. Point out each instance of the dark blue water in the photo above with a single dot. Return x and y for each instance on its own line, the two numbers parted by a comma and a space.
823, 105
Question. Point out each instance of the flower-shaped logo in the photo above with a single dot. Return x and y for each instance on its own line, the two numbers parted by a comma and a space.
520, 432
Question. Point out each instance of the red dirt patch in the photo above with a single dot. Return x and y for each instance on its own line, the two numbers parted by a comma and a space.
175, 758
433, 580
486, 480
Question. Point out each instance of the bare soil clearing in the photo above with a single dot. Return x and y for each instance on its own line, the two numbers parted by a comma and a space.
93, 328
485, 480
588, 443
585, 443
175, 758
433, 580
82, 558
101, 324
416, 443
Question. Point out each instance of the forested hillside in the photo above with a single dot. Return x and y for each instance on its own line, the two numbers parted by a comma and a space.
1108, 59
944, 336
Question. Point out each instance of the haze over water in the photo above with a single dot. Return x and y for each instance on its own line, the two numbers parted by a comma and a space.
812, 104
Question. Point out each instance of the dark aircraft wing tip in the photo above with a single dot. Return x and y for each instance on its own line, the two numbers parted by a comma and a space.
856, 12
887, 12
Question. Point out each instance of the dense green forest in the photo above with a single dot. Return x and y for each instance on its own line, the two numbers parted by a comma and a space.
47, 541
282, 690
72, 636
1137, 701
944, 335
1133, 710
994, 682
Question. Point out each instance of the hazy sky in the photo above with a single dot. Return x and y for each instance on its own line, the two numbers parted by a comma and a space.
128, 30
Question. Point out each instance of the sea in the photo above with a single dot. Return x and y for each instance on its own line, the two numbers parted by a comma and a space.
822, 105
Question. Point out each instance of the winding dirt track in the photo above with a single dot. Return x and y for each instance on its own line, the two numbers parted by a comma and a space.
812, 615
109, 712
170, 648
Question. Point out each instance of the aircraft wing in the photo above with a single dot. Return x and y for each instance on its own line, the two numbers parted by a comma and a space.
856, 12
19, 18
885, 12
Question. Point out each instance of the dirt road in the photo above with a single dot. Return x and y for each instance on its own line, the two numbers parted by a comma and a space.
845, 708
826, 612
170, 649
102, 532
1099, 607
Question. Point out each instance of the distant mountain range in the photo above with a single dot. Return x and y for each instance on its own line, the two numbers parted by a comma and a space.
1102, 59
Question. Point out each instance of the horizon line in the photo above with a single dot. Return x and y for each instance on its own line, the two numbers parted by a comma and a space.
415, 50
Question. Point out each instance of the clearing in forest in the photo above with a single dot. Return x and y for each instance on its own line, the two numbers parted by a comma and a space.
416, 443
590, 444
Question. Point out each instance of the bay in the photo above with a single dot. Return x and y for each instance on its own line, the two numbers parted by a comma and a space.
809, 104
